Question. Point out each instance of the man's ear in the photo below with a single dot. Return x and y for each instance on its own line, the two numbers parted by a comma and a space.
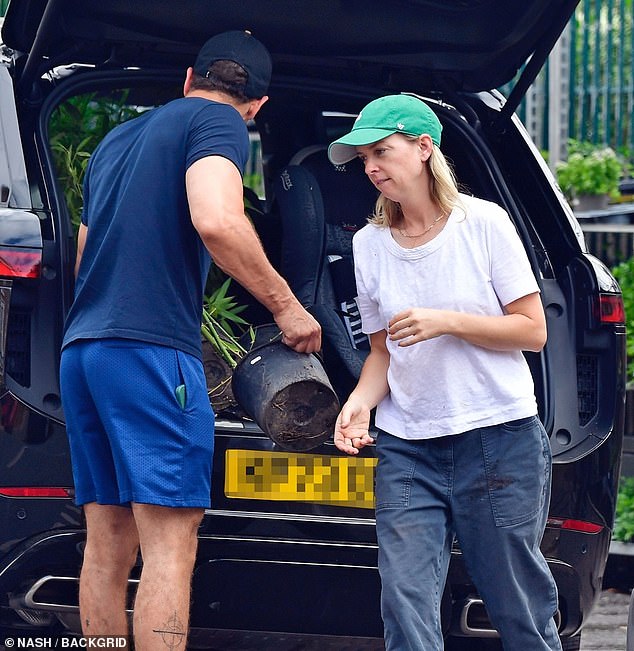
254, 106
188, 81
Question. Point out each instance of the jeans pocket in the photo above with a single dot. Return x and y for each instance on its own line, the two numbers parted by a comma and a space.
394, 473
520, 424
517, 464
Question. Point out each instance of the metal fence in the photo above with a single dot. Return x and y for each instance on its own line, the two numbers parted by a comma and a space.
611, 243
601, 72
595, 71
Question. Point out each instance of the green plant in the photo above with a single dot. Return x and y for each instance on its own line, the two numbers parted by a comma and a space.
255, 182
221, 315
76, 127
624, 273
624, 520
589, 170
72, 162
627, 155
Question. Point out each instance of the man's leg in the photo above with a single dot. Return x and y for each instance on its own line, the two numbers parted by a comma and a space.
169, 538
111, 550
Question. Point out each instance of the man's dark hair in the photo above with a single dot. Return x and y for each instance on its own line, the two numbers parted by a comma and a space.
223, 76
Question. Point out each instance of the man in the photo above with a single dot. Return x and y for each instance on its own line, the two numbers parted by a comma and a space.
162, 192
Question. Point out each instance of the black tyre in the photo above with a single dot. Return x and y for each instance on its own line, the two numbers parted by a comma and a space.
571, 643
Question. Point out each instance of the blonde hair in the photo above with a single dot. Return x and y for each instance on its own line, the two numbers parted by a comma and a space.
443, 188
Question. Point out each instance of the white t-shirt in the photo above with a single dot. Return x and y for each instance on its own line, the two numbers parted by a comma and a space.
476, 264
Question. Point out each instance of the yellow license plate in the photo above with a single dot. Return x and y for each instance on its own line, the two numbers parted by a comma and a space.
296, 477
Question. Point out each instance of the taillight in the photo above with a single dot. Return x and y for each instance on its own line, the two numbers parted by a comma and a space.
34, 491
574, 525
611, 309
20, 263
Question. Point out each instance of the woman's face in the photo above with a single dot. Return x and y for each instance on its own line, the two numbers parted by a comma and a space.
396, 164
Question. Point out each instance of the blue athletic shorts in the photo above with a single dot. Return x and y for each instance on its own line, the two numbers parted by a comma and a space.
139, 423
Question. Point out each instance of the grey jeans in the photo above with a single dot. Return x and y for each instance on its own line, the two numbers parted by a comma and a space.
489, 486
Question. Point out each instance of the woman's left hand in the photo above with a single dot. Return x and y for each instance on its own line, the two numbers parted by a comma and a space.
521, 327
417, 324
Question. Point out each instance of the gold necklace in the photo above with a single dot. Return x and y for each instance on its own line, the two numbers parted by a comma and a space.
404, 234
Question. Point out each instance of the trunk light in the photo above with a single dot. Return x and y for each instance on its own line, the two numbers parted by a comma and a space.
34, 491
20, 263
574, 525
611, 308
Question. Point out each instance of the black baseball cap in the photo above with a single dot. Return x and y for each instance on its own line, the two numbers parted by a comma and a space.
245, 50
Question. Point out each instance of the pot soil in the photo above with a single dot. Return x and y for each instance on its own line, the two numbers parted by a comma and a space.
218, 375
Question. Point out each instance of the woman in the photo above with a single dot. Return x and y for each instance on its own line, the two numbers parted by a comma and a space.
449, 300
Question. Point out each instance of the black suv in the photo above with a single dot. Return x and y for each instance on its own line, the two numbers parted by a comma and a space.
290, 538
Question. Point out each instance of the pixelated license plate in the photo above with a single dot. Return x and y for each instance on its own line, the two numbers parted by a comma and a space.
297, 477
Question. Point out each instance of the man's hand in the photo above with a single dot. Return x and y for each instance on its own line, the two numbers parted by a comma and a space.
300, 330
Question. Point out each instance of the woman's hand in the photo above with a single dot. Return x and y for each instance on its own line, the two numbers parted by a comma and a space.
352, 427
521, 327
417, 324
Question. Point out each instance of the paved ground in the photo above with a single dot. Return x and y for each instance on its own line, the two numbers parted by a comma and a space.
606, 628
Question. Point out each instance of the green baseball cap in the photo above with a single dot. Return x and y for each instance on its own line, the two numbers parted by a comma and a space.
381, 118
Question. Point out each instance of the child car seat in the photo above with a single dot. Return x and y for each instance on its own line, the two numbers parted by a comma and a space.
321, 207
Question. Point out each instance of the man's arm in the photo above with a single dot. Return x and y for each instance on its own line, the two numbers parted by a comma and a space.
214, 191
81, 242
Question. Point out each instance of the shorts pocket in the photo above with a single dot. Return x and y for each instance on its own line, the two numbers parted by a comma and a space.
180, 391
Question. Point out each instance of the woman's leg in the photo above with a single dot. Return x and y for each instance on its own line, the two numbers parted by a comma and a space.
500, 505
412, 492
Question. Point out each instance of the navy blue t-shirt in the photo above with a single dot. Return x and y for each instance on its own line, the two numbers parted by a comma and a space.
144, 266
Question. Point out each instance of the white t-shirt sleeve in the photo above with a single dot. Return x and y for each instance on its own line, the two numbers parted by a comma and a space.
511, 272
371, 320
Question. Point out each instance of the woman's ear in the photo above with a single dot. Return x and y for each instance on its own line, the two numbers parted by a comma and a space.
426, 146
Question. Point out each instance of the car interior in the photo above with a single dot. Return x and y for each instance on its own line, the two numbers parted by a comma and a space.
307, 211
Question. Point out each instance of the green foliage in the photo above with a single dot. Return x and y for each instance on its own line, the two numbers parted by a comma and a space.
90, 117
224, 309
624, 273
221, 315
590, 170
72, 161
627, 155
255, 182
76, 127
624, 521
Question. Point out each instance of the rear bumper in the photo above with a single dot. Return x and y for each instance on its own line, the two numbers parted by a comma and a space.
255, 592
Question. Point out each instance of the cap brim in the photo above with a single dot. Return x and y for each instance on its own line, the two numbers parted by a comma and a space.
344, 149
